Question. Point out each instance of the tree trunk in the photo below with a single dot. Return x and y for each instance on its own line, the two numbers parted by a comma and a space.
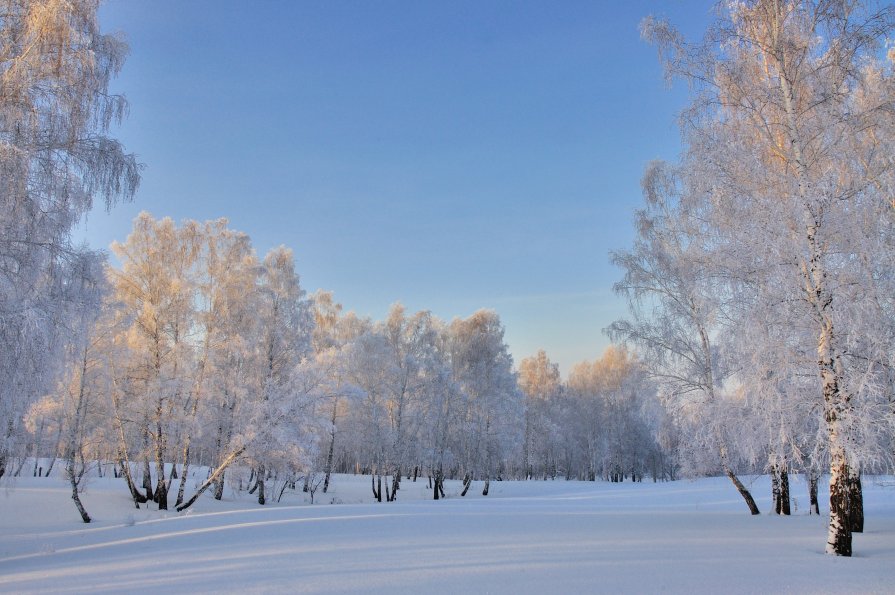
184, 471
329, 458
836, 404
75, 480
147, 480
124, 458
437, 490
487, 486
396, 483
377, 492
147, 468
261, 475
742, 490
784, 492
467, 481
775, 488
219, 487
139, 497
839, 540
219, 472
813, 506
161, 489
855, 503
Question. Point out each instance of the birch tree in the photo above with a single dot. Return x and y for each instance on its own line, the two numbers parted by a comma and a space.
56, 158
156, 284
674, 307
492, 417
277, 433
540, 382
789, 135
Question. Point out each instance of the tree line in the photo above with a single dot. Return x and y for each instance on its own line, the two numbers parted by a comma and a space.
195, 352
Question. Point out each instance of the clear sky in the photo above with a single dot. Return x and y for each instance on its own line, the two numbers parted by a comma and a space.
449, 155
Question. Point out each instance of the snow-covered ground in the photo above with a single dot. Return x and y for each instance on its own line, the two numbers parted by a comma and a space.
526, 537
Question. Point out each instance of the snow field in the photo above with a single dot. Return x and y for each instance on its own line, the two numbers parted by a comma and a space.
526, 537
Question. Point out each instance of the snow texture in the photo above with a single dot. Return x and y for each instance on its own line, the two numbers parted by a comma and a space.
526, 537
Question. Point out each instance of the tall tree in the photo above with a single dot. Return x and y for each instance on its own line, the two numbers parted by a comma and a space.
674, 305
540, 382
789, 136
56, 157
493, 405
279, 402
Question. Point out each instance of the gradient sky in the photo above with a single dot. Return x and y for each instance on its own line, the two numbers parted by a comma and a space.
448, 155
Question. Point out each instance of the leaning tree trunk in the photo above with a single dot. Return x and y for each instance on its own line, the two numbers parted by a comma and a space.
138, 496
467, 481
184, 471
377, 491
74, 480
329, 458
123, 456
213, 478
750, 502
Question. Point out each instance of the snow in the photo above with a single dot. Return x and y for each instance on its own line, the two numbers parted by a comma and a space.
526, 537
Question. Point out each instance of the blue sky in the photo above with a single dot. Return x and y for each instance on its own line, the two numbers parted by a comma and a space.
448, 155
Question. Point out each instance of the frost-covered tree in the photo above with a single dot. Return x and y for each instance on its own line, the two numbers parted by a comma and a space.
226, 277
492, 408
540, 382
613, 417
156, 286
85, 379
412, 349
278, 405
789, 139
56, 158
789, 136
675, 304
214, 363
